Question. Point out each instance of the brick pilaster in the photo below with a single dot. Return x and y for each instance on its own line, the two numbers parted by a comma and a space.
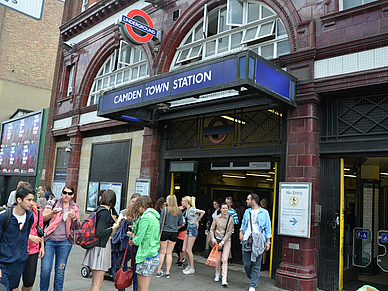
74, 159
298, 269
150, 158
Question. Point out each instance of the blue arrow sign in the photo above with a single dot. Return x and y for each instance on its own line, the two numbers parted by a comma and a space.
293, 221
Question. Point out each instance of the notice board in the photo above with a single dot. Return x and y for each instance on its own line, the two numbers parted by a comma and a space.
295, 209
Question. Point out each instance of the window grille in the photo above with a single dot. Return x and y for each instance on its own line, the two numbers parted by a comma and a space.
251, 127
364, 114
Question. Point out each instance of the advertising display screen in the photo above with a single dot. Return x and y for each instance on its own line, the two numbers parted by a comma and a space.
19, 145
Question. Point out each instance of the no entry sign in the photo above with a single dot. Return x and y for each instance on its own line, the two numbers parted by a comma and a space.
138, 26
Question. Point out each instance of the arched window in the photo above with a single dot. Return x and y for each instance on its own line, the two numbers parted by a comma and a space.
125, 65
235, 27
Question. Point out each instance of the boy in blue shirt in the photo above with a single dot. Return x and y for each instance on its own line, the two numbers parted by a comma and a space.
14, 238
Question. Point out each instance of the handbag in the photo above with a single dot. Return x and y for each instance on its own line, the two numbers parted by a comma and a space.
123, 279
164, 219
39, 230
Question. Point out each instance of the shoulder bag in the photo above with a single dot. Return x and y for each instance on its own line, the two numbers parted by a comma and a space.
164, 219
124, 279
39, 230
250, 238
220, 239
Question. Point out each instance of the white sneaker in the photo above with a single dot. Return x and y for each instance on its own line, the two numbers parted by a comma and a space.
190, 271
217, 277
187, 268
224, 282
251, 289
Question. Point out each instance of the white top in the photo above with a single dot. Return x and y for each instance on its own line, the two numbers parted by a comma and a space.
21, 220
255, 224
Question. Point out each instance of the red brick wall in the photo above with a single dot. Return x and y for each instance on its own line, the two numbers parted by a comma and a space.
150, 158
298, 270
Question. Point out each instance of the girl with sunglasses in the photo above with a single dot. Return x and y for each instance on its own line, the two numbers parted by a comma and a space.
64, 218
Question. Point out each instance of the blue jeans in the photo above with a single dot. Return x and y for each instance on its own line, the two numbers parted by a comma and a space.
61, 250
252, 269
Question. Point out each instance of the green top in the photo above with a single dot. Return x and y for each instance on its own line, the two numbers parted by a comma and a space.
147, 235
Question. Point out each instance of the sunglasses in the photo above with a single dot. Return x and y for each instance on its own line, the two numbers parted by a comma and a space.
67, 193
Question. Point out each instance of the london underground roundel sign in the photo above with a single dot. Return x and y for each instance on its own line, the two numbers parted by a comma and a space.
138, 26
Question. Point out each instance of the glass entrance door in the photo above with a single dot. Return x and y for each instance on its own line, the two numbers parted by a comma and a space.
366, 231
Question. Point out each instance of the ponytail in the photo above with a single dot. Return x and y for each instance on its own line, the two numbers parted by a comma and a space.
190, 200
193, 201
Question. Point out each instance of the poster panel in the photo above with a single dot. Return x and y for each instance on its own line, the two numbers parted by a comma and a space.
142, 187
57, 188
91, 202
294, 209
117, 188
19, 146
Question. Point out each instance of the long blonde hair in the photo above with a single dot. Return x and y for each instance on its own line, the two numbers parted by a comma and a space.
190, 200
172, 205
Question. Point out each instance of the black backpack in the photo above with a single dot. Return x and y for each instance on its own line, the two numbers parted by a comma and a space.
7, 220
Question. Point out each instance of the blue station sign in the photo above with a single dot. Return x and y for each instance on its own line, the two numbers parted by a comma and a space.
185, 82
245, 69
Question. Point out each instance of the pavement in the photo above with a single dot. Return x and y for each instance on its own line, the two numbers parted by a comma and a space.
202, 280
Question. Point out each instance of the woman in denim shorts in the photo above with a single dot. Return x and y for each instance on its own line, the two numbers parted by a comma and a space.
193, 216
146, 236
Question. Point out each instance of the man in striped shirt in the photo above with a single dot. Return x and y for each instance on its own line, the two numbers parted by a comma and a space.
233, 214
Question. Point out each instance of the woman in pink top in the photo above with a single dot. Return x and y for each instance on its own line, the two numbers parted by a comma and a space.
64, 218
35, 250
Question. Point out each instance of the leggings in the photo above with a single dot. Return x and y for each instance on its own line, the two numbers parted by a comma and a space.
29, 273
178, 247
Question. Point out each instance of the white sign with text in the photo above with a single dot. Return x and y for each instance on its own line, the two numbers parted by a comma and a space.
295, 209
31, 8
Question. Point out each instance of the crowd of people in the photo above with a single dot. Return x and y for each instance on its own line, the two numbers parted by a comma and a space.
44, 229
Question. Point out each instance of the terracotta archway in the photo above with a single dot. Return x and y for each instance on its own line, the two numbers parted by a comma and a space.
104, 52
283, 8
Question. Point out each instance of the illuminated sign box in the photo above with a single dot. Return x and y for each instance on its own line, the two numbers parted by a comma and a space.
242, 70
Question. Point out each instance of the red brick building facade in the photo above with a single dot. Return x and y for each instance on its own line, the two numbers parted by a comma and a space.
334, 137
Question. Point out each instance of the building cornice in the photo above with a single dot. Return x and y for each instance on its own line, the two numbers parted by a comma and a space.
92, 16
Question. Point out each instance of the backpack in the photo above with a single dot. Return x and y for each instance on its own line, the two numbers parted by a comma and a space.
7, 220
86, 237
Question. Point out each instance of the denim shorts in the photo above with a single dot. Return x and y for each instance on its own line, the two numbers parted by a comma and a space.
147, 267
192, 230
